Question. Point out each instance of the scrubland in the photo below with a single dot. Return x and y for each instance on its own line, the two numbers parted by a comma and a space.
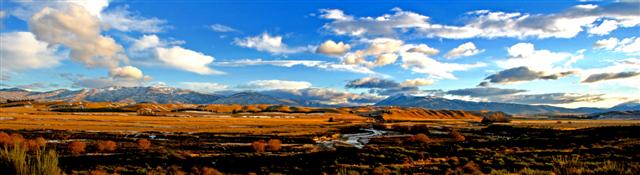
117, 138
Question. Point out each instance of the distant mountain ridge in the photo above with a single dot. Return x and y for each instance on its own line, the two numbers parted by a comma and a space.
114, 94
176, 95
627, 106
619, 115
442, 103
252, 98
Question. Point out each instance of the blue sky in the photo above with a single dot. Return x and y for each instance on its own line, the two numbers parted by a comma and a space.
563, 53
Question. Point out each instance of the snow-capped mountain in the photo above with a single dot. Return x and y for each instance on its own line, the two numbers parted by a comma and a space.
115, 94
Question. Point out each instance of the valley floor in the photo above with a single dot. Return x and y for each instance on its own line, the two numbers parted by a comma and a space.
198, 142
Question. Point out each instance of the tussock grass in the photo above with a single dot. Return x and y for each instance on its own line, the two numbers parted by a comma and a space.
19, 160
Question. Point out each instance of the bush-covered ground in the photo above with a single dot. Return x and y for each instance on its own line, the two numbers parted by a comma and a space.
405, 149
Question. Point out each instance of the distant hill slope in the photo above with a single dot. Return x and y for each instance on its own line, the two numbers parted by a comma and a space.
115, 94
176, 95
627, 106
442, 103
252, 98
626, 115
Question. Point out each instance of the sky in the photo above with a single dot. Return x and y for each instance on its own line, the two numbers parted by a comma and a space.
561, 53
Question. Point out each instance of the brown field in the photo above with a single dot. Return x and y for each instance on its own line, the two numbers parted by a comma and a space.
120, 138
242, 123
569, 124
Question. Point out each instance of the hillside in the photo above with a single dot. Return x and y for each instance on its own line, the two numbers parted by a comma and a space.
627, 106
245, 98
449, 104
410, 113
622, 115
114, 94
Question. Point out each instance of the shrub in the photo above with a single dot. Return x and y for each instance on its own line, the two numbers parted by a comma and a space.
528, 171
381, 170
4, 138
421, 128
41, 141
98, 172
495, 117
471, 168
16, 160
210, 171
274, 145
77, 147
455, 135
258, 146
421, 138
32, 145
146, 112
106, 146
144, 144
568, 165
205, 171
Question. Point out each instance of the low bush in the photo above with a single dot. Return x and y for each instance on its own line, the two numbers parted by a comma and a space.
274, 145
420, 138
205, 171
455, 135
77, 147
144, 144
258, 146
381, 170
107, 146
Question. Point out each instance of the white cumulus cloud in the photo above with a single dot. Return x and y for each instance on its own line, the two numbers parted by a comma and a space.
491, 24
126, 72
466, 49
421, 63
78, 30
21, 51
629, 45
330, 47
417, 82
186, 59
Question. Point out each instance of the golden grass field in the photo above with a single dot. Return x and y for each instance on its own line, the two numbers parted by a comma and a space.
39, 116
262, 123
569, 124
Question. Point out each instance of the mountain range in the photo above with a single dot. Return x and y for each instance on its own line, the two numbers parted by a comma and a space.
176, 95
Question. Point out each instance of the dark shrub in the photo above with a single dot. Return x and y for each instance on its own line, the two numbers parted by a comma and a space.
421, 138
455, 135
495, 117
